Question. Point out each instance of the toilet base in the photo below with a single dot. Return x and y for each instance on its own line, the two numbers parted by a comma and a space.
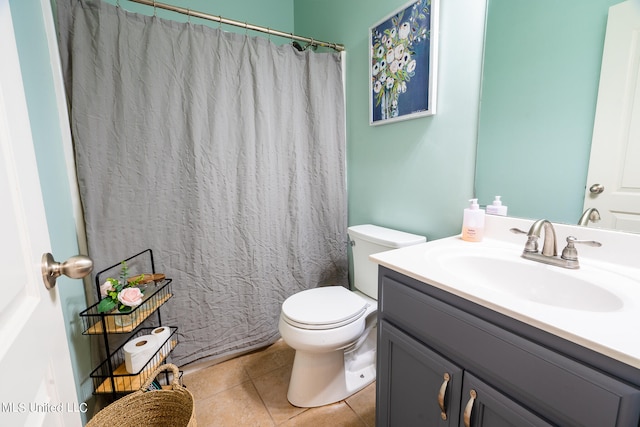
319, 379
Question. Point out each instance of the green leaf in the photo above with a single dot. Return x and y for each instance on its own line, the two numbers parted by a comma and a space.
106, 305
124, 272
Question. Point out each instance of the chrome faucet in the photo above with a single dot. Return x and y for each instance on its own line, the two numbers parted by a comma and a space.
550, 245
549, 254
591, 214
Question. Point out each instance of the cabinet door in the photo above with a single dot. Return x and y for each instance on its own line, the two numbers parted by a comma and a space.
415, 385
486, 407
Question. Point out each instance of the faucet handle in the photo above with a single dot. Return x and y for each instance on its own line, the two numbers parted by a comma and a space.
532, 241
571, 240
570, 253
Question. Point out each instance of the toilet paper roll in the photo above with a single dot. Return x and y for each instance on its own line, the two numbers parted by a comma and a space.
162, 334
138, 351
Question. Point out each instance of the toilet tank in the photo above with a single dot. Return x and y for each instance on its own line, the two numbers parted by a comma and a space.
370, 239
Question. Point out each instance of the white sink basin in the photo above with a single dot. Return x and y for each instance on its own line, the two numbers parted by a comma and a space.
504, 271
596, 306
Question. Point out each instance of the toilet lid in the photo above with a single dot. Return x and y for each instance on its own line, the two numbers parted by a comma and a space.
323, 308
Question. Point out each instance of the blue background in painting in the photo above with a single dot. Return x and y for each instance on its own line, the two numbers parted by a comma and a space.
416, 98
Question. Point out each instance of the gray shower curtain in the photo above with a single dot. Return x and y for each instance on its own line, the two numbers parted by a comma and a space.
223, 153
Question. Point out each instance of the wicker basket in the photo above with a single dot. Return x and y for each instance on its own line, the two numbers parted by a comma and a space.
157, 408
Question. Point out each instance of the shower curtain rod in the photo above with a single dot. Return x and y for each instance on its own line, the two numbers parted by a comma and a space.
222, 20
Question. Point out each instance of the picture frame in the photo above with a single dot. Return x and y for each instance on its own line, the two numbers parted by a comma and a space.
403, 55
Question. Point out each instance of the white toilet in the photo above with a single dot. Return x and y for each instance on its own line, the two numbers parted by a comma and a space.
333, 329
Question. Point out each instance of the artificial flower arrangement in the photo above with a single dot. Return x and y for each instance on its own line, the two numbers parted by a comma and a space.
122, 294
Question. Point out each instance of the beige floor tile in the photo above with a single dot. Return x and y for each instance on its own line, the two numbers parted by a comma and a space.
273, 357
363, 403
337, 414
272, 388
206, 382
235, 407
251, 391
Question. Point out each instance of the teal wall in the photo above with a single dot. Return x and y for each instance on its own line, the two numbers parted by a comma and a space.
540, 84
415, 175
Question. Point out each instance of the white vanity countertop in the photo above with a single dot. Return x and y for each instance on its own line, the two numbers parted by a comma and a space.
611, 331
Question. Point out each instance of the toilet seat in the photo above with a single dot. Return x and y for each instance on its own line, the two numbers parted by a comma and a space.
323, 308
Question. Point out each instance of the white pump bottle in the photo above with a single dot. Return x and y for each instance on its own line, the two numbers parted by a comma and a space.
473, 222
497, 208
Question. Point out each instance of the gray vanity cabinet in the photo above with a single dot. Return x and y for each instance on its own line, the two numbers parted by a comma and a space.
434, 348
418, 387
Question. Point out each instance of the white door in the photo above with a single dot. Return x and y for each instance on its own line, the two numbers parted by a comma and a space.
36, 381
615, 149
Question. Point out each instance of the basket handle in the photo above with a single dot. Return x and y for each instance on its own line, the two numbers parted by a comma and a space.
175, 382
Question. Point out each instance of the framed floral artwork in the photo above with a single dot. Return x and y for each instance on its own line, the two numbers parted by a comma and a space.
403, 63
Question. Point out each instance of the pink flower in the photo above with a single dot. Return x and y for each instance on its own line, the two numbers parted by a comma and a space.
105, 288
131, 297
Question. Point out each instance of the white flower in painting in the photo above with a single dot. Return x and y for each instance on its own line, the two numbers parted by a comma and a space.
392, 33
383, 64
406, 58
384, 39
376, 69
380, 52
393, 67
394, 104
405, 28
383, 78
390, 82
390, 56
377, 87
403, 87
399, 52
412, 66
389, 43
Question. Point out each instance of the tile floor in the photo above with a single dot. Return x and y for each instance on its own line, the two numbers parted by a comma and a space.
251, 390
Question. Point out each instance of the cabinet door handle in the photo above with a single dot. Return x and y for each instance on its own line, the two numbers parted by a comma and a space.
469, 408
441, 396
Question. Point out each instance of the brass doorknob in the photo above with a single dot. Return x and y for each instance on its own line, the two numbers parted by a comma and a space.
75, 267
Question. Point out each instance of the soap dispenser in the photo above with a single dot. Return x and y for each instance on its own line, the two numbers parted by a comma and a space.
497, 208
473, 222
